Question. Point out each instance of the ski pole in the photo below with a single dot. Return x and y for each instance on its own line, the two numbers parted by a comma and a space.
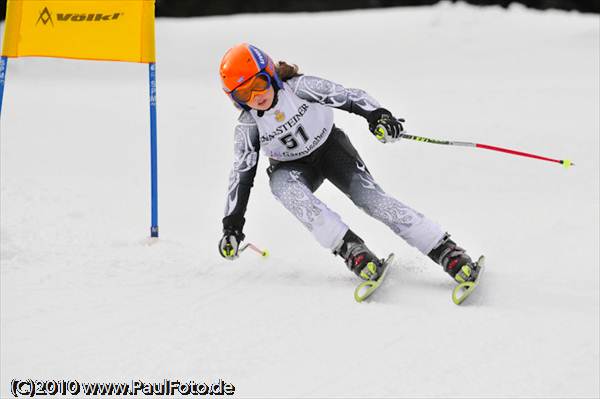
263, 253
565, 162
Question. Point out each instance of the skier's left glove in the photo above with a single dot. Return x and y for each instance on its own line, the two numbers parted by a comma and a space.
230, 243
384, 126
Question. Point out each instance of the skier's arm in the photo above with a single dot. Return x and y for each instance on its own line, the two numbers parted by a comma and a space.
326, 92
381, 121
241, 178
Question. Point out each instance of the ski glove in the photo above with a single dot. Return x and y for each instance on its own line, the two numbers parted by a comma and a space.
384, 126
229, 245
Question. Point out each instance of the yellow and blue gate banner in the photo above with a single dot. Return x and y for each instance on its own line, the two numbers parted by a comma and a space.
83, 29
105, 30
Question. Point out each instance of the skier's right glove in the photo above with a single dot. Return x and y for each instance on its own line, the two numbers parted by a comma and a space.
229, 245
384, 126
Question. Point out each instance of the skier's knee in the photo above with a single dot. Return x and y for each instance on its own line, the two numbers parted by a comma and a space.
361, 202
367, 198
279, 184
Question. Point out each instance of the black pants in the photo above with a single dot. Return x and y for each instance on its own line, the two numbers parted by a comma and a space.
336, 160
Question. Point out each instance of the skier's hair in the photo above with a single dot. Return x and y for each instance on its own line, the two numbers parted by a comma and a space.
286, 71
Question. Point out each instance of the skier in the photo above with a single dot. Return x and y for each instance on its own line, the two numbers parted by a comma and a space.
289, 116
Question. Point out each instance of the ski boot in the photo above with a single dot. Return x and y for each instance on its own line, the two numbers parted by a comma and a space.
454, 260
359, 259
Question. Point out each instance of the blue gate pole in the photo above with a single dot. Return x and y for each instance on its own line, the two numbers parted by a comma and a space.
3, 66
153, 150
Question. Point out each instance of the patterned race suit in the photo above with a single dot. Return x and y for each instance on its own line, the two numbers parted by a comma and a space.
304, 148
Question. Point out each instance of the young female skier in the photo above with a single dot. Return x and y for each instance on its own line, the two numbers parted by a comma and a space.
289, 116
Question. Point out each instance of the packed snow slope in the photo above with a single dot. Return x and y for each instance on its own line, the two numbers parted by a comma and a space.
85, 297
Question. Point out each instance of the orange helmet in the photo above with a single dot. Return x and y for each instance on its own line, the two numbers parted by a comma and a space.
242, 62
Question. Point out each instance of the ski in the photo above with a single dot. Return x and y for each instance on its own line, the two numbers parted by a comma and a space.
367, 288
464, 290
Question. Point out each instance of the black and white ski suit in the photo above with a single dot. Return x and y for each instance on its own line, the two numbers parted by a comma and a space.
304, 147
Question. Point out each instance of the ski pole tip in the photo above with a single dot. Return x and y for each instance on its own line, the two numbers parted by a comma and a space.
567, 163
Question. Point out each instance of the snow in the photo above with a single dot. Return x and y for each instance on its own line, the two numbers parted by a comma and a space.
84, 296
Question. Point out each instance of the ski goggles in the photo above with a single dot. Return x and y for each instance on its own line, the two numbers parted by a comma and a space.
258, 83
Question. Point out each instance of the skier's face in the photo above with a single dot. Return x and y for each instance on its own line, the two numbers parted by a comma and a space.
262, 100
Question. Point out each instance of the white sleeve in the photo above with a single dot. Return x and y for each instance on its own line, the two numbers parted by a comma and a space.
326, 92
243, 171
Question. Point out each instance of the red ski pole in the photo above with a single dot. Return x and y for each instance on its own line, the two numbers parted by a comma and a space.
565, 162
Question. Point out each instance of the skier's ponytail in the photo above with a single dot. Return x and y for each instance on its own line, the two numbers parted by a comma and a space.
286, 71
